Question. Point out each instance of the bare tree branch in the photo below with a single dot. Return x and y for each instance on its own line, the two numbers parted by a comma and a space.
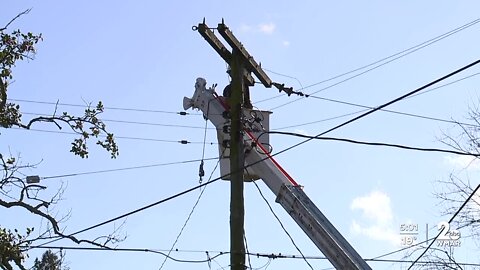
16, 17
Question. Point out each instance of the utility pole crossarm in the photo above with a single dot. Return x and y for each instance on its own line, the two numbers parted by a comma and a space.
218, 46
251, 64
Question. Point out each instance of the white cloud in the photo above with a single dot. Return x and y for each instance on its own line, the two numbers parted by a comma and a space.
375, 205
286, 43
376, 211
266, 28
463, 162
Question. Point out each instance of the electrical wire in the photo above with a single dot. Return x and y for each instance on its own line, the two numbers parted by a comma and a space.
322, 120
403, 113
191, 211
124, 169
288, 148
312, 122
131, 122
167, 256
247, 252
281, 225
396, 112
287, 76
450, 221
220, 253
118, 137
447, 84
137, 210
374, 143
392, 58
381, 106
183, 113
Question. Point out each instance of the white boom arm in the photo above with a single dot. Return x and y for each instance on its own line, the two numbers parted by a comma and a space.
260, 164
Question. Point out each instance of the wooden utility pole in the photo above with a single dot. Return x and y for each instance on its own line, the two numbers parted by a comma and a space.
289, 194
237, 162
242, 65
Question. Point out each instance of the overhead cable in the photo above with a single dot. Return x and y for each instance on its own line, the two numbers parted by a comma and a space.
120, 137
125, 168
375, 143
382, 106
107, 108
271, 255
137, 210
390, 59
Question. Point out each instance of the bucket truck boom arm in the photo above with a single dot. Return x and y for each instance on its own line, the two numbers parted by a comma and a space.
260, 164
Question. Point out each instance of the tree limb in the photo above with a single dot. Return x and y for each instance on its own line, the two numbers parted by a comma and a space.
16, 17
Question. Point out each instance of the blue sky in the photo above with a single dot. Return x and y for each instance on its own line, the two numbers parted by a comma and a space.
144, 55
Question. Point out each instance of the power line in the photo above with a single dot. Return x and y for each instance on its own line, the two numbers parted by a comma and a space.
403, 52
160, 252
307, 123
119, 137
288, 148
191, 212
395, 56
375, 143
107, 108
391, 111
381, 106
220, 253
124, 169
323, 120
447, 84
404, 113
450, 221
396, 112
132, 122
284, 75
137, 210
